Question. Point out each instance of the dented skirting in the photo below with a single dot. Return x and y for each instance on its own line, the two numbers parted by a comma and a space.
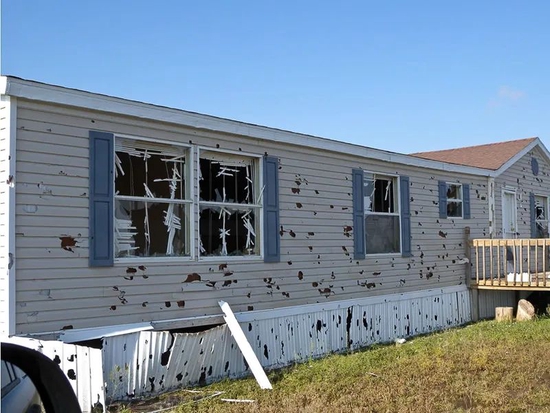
81, 365
149, 362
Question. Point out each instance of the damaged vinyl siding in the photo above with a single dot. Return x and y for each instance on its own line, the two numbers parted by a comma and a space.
57, 289
521, 178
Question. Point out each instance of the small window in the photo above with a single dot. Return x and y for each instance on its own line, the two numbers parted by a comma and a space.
454, 200
229, 205
541, 216
152, 205
382, 220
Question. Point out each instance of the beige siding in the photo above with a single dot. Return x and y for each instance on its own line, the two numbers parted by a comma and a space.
56, 288
520, 178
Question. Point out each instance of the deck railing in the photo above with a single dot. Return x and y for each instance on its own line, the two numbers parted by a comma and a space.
511, 263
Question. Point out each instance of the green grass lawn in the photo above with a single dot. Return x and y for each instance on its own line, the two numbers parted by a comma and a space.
484, 367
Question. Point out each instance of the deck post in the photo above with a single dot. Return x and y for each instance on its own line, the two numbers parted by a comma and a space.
468, 255
474, 293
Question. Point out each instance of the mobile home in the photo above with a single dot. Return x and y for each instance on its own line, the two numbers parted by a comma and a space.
125, 217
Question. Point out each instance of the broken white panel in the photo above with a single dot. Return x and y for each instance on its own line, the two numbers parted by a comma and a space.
118, 166
124, 232
245, 347
388, 189
124, 236
249, 229
226, 159
146, 226
224, 233
176, 159
201, 247
226, 171
249, 183
260, 195
172, 221
369, 186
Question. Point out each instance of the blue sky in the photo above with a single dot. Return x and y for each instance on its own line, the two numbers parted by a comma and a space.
403, 76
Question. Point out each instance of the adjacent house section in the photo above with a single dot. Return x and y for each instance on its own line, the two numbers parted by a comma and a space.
518, 210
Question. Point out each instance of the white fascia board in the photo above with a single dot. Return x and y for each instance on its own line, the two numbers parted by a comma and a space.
520, 154
72, 97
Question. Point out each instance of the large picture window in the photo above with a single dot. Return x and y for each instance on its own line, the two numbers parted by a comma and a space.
152, 199
229, 204
382, 218
152, 202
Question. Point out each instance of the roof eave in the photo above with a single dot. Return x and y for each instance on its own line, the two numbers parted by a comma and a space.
77, 98
521, 154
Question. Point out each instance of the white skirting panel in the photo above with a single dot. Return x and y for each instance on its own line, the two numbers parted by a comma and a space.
150, 362
82, 366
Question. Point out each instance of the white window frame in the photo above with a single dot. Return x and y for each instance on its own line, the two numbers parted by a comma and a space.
257, 206
189, 197
455, 200
397, 207
545, 197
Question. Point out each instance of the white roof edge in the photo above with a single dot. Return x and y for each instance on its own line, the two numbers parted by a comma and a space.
521, 154
72, 97
3, 85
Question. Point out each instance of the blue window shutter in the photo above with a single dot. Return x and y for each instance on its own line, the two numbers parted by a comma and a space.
101, 199
442, 199
532, 215
358, 214
272, 241
405, 217
466, 200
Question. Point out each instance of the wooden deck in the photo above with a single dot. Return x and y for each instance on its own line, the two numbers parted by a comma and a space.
510, 264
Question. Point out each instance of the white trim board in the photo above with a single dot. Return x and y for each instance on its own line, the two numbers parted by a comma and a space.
9, 136
91, 101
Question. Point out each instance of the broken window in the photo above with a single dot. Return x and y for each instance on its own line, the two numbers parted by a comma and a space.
229, 205
541, 216
382, 220
454, 200
152, 206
